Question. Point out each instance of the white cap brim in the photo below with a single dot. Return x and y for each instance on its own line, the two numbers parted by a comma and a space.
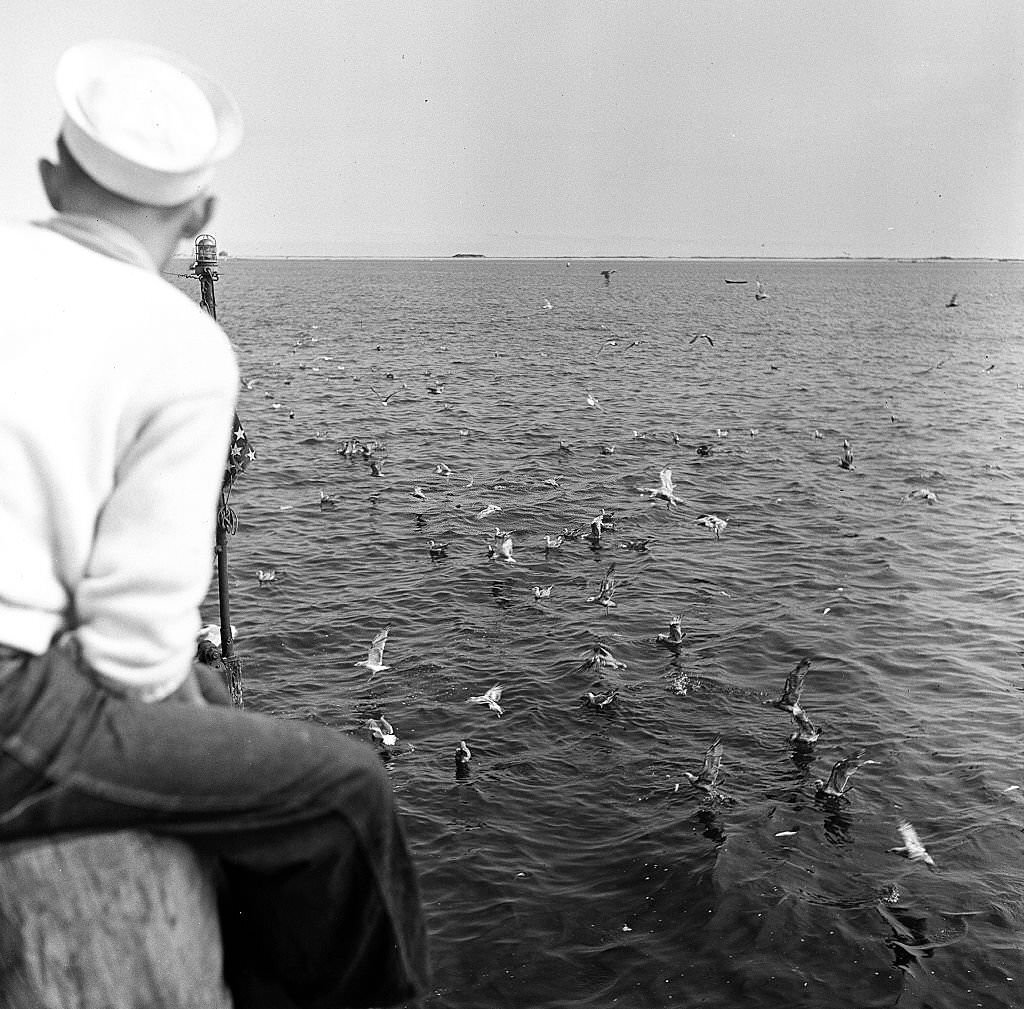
144, 123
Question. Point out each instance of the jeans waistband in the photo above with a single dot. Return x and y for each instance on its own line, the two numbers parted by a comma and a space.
11, 660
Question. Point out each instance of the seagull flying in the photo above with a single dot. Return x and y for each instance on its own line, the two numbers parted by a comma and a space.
607, 589
707, 778
912, 847
794, 686
714, 523
839, 780
384, 399
374, 661
490, 698
697, 336
666, 492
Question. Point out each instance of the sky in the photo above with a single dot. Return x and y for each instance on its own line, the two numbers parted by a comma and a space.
583, 128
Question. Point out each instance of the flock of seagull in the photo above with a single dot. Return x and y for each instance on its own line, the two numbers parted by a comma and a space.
831, 792
500, 548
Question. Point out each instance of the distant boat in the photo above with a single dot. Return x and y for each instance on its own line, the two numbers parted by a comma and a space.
953, 303
728, 281
761, 294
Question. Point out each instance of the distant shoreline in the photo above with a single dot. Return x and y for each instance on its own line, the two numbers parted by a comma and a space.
640, 259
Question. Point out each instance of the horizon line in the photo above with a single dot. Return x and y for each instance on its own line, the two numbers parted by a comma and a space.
618, 258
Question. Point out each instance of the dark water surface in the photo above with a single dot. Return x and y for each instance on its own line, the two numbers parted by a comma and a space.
575, 866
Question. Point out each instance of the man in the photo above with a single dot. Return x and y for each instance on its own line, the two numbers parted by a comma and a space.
114, 428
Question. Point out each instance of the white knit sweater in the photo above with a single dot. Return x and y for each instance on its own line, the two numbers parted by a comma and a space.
115, 417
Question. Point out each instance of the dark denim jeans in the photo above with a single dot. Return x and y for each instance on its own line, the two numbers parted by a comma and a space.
320, 904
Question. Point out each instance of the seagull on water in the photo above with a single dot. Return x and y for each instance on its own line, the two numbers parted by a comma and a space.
264, 576
675, 633
714, 523
437, 549
211, 632
592, 401
603, 657
922, 494
417, 492
912, 847
326, 501
794, 686
374, 660
638, 546
600, 658
607, 589
542, 593
846, 459
839, 780
490, 698
382, 730
553, 542
504, 550
600, 700
488, 510
597, 524
463, 755
706, 779
806, 733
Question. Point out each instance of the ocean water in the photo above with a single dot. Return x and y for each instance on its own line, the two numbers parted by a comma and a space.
575, 866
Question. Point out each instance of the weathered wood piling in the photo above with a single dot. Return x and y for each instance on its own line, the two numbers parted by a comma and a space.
108, 921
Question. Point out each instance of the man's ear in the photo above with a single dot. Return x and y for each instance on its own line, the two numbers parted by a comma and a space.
200, 212
50, 174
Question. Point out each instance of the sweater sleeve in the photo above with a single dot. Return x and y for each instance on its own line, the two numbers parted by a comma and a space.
151, 562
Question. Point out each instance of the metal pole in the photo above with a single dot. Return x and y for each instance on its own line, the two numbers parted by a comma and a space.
206, 258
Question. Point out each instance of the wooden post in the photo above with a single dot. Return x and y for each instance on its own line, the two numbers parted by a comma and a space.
108, 921
240, 454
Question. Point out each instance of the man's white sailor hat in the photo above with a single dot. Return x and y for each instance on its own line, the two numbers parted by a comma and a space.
144, 123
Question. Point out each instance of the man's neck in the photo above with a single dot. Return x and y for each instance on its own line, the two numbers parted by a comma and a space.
103, 237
